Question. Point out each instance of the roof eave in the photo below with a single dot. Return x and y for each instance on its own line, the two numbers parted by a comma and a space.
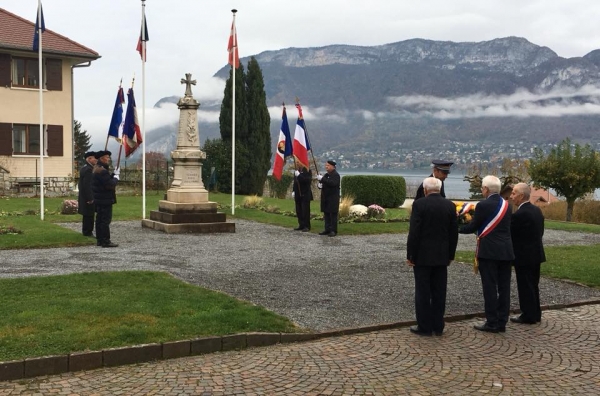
75, 55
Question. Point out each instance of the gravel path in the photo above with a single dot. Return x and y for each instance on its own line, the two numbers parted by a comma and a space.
319, 282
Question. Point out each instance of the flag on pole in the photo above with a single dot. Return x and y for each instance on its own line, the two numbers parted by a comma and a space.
132, 135
36, 34
284, 146
301, 145
117, 115
232, 47
141, 45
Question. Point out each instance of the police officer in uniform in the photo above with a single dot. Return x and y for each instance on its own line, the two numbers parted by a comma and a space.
441, 170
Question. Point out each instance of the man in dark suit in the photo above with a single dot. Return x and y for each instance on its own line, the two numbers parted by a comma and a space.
302, 197
86, 198
103, 186
430, 249
527, 230
330, 198
441, 170
494, 253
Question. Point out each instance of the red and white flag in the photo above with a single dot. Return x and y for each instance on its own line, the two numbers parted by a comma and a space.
301, 143
232, 47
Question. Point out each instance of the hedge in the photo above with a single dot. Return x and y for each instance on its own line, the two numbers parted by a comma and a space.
385, 191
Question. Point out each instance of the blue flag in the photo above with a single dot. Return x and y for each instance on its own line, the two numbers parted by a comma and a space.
36, 37
117, 115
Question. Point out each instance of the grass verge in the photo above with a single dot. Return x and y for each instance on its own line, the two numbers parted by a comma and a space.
52, 315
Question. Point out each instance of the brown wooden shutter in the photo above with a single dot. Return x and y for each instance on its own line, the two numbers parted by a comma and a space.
6, 147
55, 141
5, 62
54, 74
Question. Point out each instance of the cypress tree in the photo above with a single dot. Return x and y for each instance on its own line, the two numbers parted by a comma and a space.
258, 139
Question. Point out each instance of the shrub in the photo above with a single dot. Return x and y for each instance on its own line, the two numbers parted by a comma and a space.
69, 206
375, 212
345, 204
253, 202
387, 191
584, 211
279, 188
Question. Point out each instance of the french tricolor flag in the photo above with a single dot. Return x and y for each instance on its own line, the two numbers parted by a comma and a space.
301, 143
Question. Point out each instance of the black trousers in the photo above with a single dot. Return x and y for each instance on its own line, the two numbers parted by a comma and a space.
87, 224
495, 280
528, 285
103, 220
303, 213
331, 221
430, 296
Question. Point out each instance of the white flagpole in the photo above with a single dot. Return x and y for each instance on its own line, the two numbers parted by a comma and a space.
143, 109
40, 81
233, 116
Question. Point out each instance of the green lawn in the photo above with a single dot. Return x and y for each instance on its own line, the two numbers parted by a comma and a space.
52, 315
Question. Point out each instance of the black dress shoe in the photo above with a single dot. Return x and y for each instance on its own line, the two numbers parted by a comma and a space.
324, 233
487, 328
305, 229
109, 245
522, 320
298, 229
417, 330
332, 234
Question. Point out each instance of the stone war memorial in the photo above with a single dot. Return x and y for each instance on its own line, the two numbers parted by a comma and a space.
186, 208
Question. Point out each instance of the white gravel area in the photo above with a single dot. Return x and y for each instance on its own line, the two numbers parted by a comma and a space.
320, 283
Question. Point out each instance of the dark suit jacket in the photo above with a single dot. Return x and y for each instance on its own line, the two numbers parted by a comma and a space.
433, 232
421, 191
302, 183
497, 245
85, 190
527, 230
330, 192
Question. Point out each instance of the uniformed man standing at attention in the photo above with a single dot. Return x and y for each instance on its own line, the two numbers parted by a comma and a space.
441, 170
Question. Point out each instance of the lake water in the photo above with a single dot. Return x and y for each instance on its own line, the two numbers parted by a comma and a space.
454, 185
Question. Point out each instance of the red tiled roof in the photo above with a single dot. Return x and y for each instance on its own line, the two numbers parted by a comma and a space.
16, 33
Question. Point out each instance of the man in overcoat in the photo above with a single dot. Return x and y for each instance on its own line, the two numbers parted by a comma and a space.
330, 198
430, 248
85, 205
103, 186
302, 196
494, 253
527, 230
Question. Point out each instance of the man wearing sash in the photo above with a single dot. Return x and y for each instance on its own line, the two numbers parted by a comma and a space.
494, 253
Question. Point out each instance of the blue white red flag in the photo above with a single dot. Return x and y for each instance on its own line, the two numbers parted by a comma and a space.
301, 144
141, 45
36, 34
284, 146
117, 115
132, 135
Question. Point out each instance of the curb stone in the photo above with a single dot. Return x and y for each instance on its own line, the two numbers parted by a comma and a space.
49, 365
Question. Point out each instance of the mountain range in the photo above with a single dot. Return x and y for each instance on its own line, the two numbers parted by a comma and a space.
420, 94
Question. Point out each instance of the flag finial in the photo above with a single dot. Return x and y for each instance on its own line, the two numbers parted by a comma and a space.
234, 11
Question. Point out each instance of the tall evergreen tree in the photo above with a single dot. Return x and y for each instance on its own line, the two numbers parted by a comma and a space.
242, 159
81, 140
258, 138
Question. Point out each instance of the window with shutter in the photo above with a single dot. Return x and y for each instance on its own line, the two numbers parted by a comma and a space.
55, 141
54, 74
6, 139
5, 62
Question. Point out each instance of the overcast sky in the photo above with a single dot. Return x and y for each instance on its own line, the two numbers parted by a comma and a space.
190, 36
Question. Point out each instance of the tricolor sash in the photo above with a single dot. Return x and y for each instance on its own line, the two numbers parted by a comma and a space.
488, 226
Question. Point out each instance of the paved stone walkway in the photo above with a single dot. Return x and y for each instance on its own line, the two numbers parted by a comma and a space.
557, 357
